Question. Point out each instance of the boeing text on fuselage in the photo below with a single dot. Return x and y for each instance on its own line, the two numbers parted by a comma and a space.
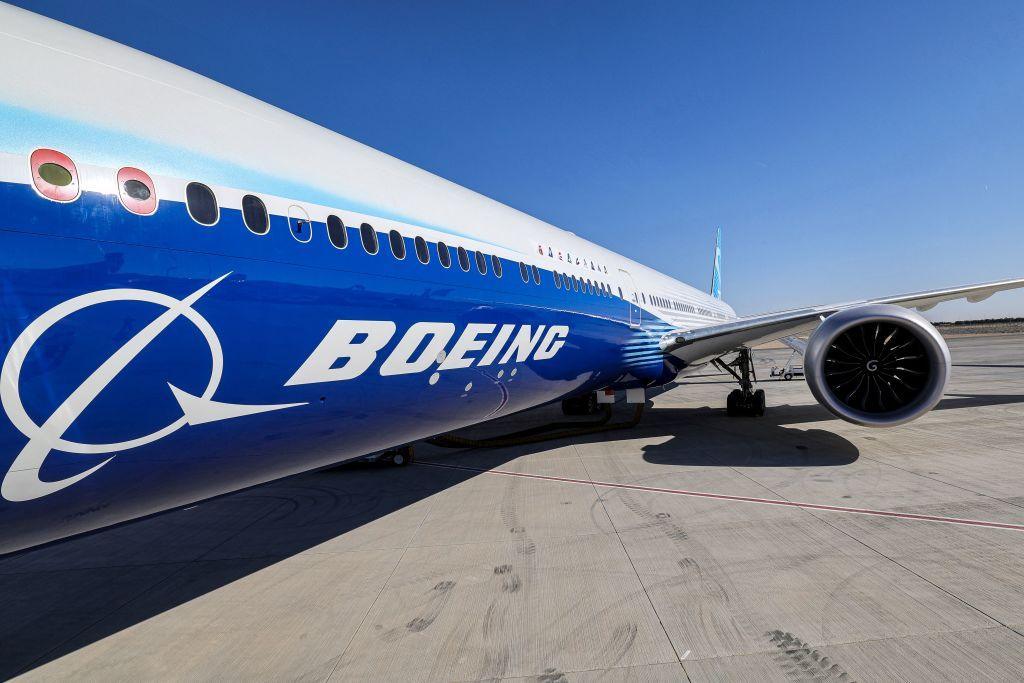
348, 350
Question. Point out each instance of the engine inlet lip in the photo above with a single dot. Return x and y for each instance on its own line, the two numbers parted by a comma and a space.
841, 321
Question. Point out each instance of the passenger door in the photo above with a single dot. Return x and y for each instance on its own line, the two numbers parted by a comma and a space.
629, 286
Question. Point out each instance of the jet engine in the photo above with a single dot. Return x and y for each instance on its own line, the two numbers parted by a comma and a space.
877, 365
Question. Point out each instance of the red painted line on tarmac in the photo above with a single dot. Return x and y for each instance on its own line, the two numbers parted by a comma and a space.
739, 499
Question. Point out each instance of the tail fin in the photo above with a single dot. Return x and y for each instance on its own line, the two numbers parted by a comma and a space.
716, 275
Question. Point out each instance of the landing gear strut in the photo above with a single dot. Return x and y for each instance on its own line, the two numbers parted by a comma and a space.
742, 401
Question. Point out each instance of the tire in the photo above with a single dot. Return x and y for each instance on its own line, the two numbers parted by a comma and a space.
402, 457
580, 405
732, 403
758, 404
788, 376
571, 406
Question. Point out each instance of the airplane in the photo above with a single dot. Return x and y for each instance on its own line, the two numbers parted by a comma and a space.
202, 292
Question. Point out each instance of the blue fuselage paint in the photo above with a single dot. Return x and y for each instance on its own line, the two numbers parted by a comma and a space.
279, 300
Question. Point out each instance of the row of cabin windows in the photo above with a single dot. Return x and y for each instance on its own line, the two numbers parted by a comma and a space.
683, 307
256, 219
55, 176
575, 284
675, 305
202, 206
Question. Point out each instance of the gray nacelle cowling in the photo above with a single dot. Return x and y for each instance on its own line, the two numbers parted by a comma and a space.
877, 365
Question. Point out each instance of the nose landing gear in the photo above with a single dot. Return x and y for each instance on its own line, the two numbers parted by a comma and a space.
743, 401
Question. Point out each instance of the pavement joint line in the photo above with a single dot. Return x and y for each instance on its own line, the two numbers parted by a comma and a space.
739, 499
884, 555
643, 587
943, 481
376, 598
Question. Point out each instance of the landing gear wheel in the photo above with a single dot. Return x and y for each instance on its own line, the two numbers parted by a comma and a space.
743, 401
732, 402
757, 406
581, 405
401, 457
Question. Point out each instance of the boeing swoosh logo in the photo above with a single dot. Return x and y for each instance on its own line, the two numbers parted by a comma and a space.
22, 482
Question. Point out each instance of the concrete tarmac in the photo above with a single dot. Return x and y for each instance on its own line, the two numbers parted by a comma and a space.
431, 573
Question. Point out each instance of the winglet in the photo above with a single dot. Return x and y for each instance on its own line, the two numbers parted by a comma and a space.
716, 274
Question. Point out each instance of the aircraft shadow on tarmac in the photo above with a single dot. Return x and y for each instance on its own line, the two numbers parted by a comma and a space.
65, 596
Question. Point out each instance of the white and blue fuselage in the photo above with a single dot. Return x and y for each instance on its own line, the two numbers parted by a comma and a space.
160, 347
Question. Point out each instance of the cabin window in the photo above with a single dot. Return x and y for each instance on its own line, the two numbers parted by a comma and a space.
368, 236
575, 283
463, 259
337, 233
254, 214
54, 175
620, 293
136, 191
558, 279
524, 272
536, 275
496, 265
481, 262
444, 255
202, 204
422, 253
397, 244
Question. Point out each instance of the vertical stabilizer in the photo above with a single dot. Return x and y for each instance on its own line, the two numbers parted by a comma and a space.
716, 274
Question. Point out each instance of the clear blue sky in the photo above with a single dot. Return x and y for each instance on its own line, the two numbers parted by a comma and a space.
847, 149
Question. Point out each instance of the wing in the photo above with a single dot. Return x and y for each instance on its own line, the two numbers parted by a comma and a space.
706, 343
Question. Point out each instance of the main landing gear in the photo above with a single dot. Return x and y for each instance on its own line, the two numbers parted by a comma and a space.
581, 405
742, 401
395, 457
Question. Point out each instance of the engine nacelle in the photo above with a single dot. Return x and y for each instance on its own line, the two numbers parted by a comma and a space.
877, 365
